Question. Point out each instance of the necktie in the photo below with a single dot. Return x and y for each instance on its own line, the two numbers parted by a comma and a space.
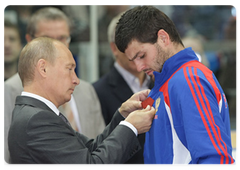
64, 118
69, 115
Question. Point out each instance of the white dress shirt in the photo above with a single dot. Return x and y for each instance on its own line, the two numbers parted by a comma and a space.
47, 102
133, 81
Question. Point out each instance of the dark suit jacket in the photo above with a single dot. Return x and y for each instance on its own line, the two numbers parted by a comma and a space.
38, 135
112, 91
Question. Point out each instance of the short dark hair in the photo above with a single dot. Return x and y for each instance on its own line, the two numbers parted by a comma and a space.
9, 24
142, 23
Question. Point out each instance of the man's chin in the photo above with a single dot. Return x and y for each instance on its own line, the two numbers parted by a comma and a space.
67, 99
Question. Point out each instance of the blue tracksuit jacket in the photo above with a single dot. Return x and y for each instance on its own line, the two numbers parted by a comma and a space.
192, 123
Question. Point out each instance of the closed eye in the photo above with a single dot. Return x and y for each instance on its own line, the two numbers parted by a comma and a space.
71, 67
142, 56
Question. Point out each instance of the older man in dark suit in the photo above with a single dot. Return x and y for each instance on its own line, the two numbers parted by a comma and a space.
39, 133
52, 22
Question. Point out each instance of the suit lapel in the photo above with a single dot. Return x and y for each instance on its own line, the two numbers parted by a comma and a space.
25, 100
119, 86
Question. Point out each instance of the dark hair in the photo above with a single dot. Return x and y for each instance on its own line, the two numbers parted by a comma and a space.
142, 23
9, 24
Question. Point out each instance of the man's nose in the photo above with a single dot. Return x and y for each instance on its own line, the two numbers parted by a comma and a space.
76, 79
139, 65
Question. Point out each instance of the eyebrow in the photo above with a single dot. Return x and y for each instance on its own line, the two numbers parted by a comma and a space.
134, 56
71, 64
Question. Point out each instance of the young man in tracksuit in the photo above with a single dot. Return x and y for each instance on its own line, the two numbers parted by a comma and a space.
192, 123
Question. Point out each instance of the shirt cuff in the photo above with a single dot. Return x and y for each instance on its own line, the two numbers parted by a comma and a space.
130, 126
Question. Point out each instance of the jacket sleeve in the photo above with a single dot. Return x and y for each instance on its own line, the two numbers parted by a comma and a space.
50, 140
204, 120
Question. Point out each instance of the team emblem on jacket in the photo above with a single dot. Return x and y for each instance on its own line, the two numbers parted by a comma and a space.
157, 103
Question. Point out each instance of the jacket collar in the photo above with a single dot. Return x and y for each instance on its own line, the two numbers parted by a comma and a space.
30, 101
173, 63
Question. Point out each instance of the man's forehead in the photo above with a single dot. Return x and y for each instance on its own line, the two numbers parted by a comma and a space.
61, 48
52, 25
133, 50
46, 20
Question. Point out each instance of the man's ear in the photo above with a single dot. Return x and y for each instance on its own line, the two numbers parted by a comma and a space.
113, 48
28, 37
163, 37
42, 67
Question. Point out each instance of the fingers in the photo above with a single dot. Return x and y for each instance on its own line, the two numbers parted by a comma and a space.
137, 105
144, 94
142, 119
134, 103
140, 96
148, 115
148, 107
150, 110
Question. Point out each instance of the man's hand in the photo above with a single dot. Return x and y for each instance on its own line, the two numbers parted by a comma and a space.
133, 103
142, 119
